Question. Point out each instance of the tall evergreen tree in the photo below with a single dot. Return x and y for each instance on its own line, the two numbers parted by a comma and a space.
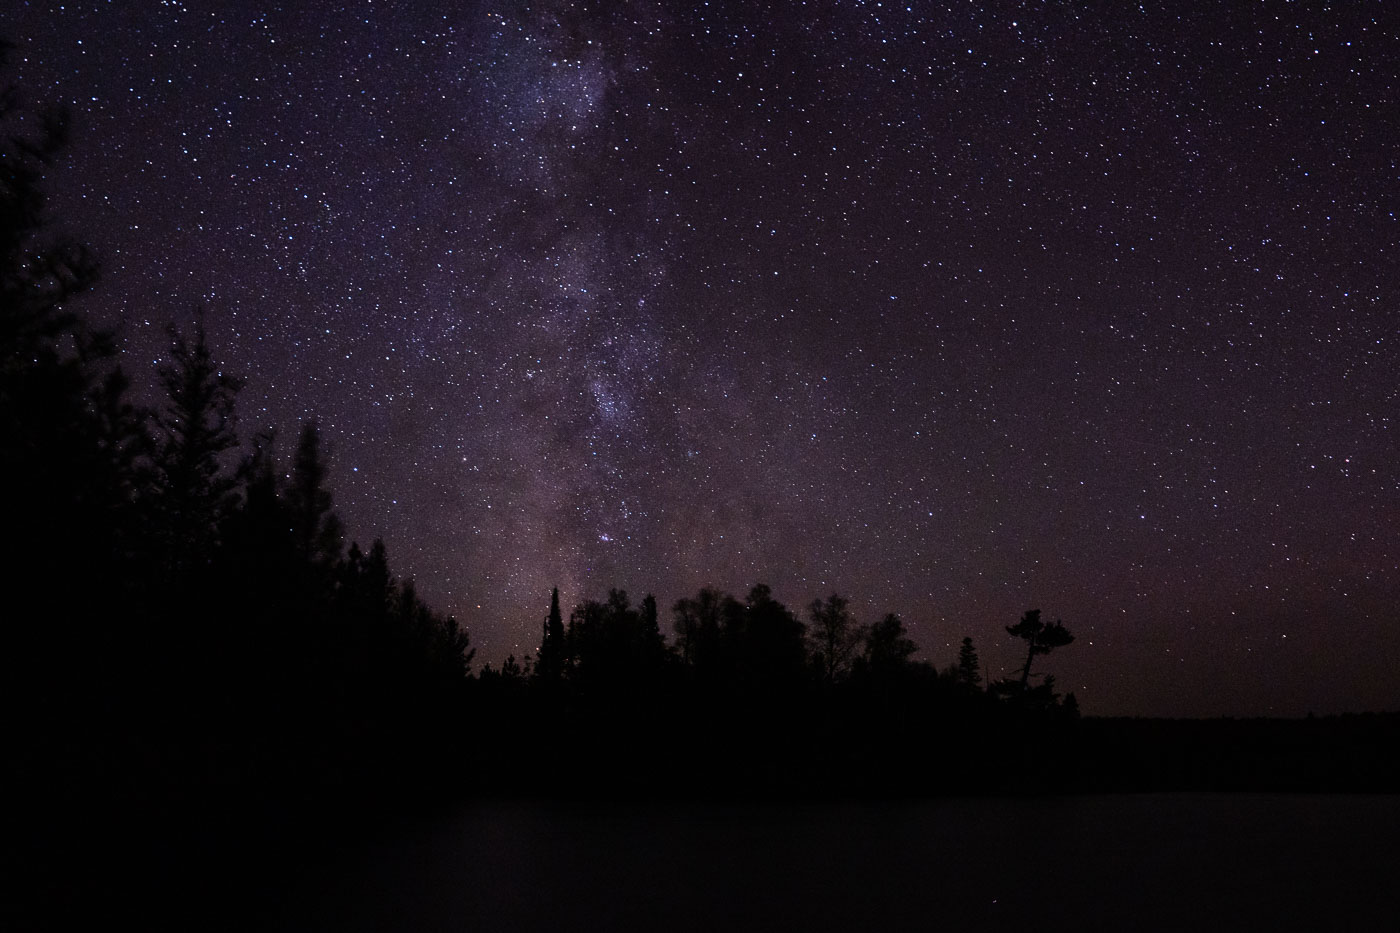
40, 271
968, 673
194, 488
316, 530
651, 626
257, 535
66, 436
551, 656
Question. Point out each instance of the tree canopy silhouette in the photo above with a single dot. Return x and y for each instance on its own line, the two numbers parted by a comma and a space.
551, 654
968, 673
888, 647
1040, 638
316, 529
833, 635
194, 490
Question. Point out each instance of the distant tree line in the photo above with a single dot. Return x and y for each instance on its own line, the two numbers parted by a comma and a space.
755, 647
747, 698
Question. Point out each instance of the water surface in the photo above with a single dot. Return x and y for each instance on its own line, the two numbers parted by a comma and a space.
1133, 862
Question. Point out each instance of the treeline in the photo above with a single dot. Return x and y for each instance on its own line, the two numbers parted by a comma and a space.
181, 616
195, 668
749, 700
185, 617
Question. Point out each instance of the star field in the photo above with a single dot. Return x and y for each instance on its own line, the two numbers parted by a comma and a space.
957, 309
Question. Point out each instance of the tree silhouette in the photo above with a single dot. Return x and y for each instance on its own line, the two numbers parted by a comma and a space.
513, 671
39, 270
650, 634
887, 647
1040, 638
317, 531
697, 628
50, 363
258, 550
968, 673
771, 650
196, 427
613, 648
69, 440
552, 648
833, 635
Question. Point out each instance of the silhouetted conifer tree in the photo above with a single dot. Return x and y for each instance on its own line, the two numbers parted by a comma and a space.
651, 638
193, 489
66, 441
511, 669
124, 447
968, 673
552, 648
379, 582
259, 551
317, 531
39, 270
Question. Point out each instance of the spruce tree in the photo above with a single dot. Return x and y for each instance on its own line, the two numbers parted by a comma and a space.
551, 655
317, 531
194, 490
969, 670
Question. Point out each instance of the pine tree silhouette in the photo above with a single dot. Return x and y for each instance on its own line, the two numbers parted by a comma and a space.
968, 673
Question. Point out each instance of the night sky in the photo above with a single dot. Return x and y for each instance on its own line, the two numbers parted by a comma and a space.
956, 309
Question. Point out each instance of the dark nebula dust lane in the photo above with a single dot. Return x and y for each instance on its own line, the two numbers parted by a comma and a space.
957, 309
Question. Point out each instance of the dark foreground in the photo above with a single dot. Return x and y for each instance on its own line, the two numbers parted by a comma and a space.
1089, 824
1178, 861
1127, 862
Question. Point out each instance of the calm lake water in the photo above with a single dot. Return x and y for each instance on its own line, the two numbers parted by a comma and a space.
1148, 862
